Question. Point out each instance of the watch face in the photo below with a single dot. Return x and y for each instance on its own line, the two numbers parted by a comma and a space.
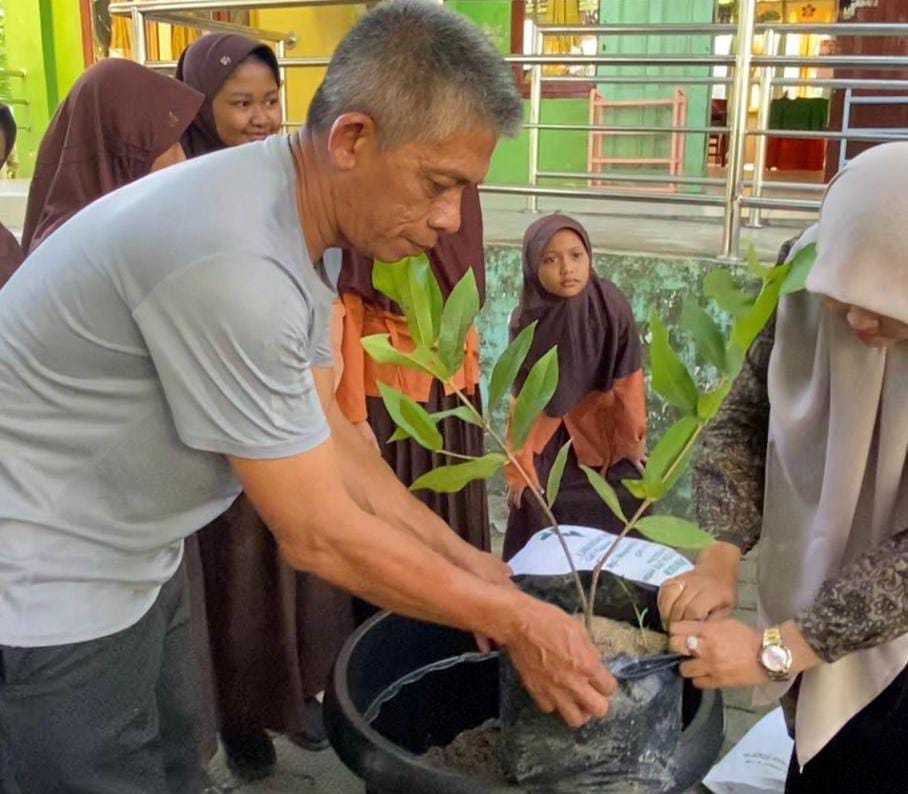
775, 659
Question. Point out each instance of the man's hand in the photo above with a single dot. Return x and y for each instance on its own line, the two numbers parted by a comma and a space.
488, 568
559, 666
708, 591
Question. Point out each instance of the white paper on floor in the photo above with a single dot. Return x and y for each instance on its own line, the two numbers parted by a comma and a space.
639, 560
758, 764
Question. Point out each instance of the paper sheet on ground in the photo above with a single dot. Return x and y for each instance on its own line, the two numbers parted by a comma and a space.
638, 560
758, 764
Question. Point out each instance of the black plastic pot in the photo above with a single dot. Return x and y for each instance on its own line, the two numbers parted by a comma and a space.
452, 689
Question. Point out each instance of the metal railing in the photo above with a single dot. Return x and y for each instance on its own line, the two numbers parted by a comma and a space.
732, 193
18, 74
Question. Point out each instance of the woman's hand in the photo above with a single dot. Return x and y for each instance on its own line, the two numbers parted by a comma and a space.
515, 498
725, 653
366, 431
708, 591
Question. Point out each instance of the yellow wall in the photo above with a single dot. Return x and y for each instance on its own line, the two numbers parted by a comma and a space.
318, 32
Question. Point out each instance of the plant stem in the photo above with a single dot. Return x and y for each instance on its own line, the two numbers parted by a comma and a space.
455, 455
645, 505
540, 497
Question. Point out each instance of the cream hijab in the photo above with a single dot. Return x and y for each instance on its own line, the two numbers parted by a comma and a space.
836, 479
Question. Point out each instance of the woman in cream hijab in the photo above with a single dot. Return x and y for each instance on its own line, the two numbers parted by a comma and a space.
810, 455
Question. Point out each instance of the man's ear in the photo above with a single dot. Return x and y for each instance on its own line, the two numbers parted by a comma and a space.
349, 136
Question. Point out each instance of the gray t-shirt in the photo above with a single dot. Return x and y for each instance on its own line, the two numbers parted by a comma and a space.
167, 325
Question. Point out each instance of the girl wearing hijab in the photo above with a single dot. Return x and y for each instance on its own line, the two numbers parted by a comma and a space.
600, 402
272, 632
119, 122
241, 82
11, 255
809, 455
366, 311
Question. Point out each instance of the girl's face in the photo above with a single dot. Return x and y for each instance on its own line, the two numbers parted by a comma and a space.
248, 106
871, 328
565, 266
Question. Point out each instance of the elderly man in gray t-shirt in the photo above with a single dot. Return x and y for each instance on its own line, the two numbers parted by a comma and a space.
167, 347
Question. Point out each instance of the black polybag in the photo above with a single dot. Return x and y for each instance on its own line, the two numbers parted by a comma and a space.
632, 749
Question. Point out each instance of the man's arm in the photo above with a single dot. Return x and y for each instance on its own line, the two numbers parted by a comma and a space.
376, 489
322, 530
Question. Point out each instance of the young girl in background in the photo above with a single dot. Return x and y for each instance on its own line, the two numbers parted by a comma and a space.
600, 403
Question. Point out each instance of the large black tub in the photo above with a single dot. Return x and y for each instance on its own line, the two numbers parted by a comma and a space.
433, 685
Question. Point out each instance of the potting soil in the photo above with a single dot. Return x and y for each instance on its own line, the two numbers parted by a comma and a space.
474, 752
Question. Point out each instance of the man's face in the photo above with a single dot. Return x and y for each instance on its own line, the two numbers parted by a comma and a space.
395, 202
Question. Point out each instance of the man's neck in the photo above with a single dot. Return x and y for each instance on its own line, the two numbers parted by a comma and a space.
315, 199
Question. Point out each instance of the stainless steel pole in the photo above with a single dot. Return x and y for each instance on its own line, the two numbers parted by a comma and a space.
755, 220
535, 116
738, 122
140, 50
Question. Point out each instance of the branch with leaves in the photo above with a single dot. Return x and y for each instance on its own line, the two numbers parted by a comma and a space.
439, 331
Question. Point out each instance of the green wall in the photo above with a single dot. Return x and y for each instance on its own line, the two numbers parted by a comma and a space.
558, 151
493, 17
44, 38
641, 12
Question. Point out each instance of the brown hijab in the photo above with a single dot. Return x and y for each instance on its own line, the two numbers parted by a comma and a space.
10, 252
205, 65
595, 331
116, 121
451, 257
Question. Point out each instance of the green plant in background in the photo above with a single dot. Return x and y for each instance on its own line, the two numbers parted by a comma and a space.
439, 330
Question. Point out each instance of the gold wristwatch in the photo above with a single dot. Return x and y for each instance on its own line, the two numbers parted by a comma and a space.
774, 656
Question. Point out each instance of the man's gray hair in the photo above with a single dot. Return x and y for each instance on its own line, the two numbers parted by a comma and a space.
423, 73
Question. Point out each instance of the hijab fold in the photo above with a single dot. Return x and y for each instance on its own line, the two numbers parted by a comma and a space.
595, 330
836, 481
205, 65
116, 121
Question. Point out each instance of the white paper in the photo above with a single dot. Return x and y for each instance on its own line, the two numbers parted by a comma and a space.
758, 764
638, 560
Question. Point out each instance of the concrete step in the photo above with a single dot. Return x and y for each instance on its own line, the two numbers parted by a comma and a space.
13, 198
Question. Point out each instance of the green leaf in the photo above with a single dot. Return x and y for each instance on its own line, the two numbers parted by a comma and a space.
379, 347
747, 326
556, 473
423, 302
449, 479
509, 364
674, 445
676, 532
606, 492
707, 336
412, 417
670, 377
710, 402
754, 265
399, 435
537, 390
388, 278
461, 412
720, 286
457, 318
801, 265
637, 488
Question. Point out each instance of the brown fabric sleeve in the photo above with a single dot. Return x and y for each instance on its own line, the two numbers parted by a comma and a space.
540, 434
351, 392
864, 605
338, 312
729, 473
629, 415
